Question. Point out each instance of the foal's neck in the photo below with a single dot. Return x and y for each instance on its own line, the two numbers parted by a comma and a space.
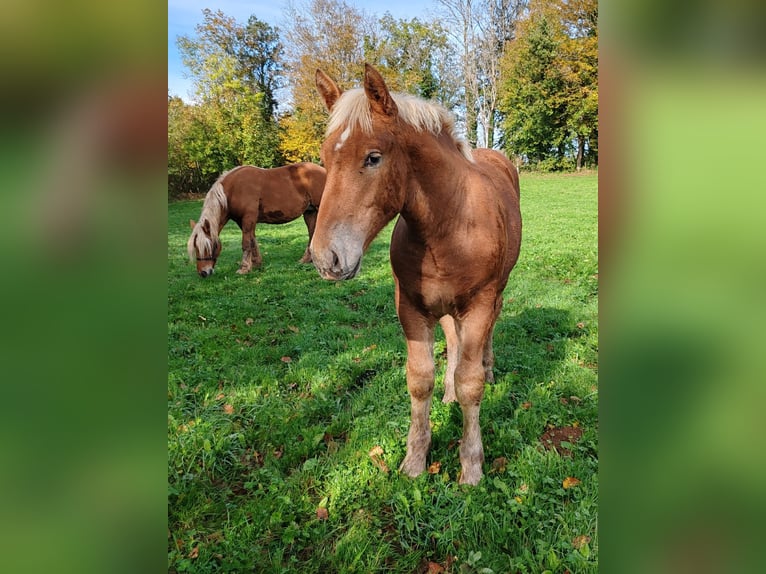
436, 189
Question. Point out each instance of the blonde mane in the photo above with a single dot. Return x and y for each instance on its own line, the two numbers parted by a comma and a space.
214, 206
353, 109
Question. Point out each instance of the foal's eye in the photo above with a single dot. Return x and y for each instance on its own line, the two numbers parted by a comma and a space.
372, 159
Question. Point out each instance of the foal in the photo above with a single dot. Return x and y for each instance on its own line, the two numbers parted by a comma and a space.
456, 240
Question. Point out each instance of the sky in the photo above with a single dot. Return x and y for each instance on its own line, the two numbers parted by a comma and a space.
184, 15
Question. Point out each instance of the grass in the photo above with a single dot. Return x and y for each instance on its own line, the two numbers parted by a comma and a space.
281, 384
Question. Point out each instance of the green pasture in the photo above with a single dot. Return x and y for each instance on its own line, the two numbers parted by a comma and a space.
288, 411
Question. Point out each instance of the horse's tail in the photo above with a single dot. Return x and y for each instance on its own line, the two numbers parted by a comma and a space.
214, 208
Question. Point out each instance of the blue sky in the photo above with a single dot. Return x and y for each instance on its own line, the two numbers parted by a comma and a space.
184, 15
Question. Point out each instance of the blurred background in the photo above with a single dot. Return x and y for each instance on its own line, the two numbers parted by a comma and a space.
683, 93
83, 166
82, 286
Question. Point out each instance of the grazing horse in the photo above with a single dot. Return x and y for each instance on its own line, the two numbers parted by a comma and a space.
250, 195
456, 240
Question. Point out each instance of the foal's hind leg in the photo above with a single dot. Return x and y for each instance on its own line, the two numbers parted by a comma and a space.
310, 217
488, 359
450, 335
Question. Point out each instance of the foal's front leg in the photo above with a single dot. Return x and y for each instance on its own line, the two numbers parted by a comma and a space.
251, 255
310, 218
473, 333
420, 383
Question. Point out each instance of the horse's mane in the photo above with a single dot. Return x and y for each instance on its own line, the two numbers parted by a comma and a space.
353, 109
213, 207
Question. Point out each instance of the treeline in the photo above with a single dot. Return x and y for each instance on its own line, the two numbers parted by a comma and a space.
520, 75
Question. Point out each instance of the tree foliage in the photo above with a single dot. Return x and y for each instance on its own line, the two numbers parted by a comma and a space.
414, 56
236, 71
326, 34
522, 74
550, 92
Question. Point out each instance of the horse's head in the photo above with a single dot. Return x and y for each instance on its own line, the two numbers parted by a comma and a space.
366, 173
204, 246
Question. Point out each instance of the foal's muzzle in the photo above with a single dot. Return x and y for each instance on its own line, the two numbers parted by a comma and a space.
337, 262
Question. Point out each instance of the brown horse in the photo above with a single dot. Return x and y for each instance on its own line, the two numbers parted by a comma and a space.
250, 195
456, 240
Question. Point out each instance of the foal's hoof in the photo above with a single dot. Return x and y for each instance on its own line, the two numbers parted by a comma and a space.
305, 259
449, 397
470, 477
243, 271
412, 468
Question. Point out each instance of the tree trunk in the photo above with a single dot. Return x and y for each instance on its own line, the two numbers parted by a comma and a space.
580, 151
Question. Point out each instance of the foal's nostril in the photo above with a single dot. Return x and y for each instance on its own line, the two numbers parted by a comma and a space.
335, 261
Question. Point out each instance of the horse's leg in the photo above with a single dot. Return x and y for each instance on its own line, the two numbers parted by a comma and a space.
255, 254
473, 331
310, 217
488, 359
420, 383
249, 246
448, 326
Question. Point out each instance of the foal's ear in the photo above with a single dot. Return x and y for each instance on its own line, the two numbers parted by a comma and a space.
206, 227
192, 223
377, 92
328, 89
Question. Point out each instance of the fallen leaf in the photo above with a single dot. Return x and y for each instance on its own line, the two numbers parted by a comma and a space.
286, 359
249, 321
435, 467
219, 396
499, 464
228, 409
580, 541
322, 513
434, 568
570, 482
194, 552
518, 499
375, 456
526, 405
294, 329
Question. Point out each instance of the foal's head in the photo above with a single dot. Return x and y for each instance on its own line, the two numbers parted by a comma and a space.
204, 246
366, 173
370, 151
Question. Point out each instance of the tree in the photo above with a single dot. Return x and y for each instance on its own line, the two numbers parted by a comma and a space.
414, 57
550, 91
579, 61
236, 72
326, 34
481, 29
259, 58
